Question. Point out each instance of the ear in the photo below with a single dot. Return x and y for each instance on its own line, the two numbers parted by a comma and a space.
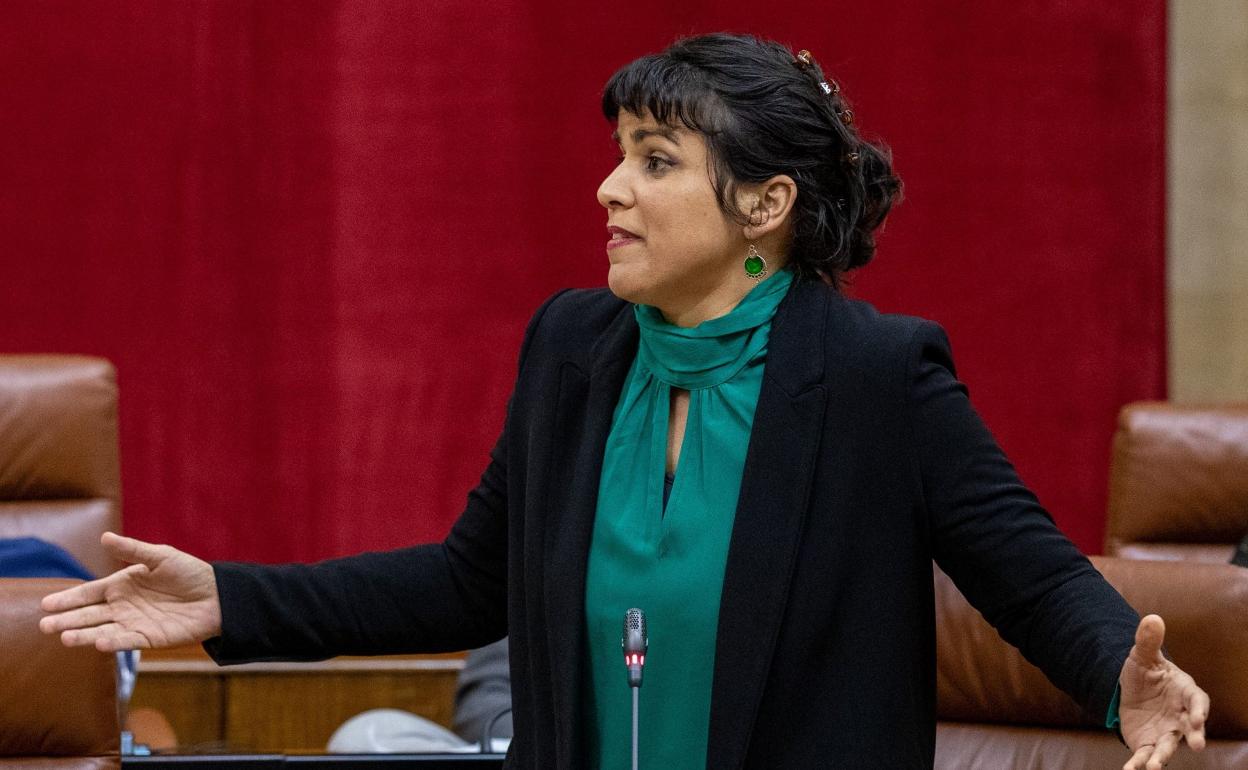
767, 204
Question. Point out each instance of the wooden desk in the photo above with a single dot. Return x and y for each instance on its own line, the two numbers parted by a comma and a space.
286, 708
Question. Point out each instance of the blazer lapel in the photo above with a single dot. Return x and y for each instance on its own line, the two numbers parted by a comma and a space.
583, 420
771, 510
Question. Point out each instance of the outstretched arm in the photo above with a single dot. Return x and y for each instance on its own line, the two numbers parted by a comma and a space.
1008, 558
1001, 548
440, 596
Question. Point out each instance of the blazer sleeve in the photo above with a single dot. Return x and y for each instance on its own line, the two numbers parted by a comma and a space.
1001, 548
427, 598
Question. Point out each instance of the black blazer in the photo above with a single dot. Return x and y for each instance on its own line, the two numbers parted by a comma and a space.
865, 463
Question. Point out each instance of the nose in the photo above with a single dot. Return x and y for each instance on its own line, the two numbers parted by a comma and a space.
614, 191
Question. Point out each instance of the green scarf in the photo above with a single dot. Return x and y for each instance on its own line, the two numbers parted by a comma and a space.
671, 563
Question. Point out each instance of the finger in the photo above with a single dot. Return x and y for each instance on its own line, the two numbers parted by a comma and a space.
1197, 713
1195, 739
1162, 752
83, 637
80, 595
1148, 639
1137, 760
106, 638
126, 640
130, 550
86, 594
1197, 705
83, 617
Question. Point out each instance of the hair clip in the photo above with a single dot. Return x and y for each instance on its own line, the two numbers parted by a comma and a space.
847, 117
852, 158
805, 61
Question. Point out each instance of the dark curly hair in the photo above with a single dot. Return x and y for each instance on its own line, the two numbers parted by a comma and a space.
764, 111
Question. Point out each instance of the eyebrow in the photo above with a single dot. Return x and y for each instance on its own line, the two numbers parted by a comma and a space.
641, 133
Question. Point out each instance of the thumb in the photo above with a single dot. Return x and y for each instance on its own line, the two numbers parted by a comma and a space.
1149, 636
130, 550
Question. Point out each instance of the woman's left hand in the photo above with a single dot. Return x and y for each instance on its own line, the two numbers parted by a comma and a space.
1160, 705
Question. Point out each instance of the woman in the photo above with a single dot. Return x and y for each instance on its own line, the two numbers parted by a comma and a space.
724, 440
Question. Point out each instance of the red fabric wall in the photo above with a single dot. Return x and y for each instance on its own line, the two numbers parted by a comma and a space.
310, 234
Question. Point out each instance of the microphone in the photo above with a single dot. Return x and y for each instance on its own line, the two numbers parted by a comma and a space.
634, 643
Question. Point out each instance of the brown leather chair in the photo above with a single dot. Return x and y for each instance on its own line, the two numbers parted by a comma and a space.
1178, 485
60, 477
60, 481
57, 704
996, 711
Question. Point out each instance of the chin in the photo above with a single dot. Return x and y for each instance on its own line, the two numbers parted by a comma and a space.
623, 282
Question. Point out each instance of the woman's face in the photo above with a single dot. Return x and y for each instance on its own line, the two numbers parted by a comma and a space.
686, 252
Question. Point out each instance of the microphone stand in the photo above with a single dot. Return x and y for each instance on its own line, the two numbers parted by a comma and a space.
636, 692
635, 643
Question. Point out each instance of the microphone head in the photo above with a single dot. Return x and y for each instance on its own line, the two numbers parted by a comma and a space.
635, 639
635, 624
634, 643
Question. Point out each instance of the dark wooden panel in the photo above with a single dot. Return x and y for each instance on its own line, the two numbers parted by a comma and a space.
192, 702
286, 707
291, 712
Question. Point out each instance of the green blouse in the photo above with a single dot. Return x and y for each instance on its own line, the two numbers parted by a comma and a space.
670, 562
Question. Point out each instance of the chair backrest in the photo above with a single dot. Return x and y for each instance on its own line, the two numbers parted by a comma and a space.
58, 705
60, 476
1178, 485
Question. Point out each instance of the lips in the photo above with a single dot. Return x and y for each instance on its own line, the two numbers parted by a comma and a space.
621, 237
620, 233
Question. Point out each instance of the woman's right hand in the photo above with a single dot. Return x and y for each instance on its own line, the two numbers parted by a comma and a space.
163, 599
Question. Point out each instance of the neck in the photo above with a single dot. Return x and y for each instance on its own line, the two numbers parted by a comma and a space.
718, 302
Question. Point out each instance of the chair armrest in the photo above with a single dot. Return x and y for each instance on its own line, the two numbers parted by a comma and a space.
54, 700
980, 678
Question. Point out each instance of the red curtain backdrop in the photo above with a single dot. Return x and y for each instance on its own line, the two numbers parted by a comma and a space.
309, 234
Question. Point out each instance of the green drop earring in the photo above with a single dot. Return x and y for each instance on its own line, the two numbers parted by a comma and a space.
755, 265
